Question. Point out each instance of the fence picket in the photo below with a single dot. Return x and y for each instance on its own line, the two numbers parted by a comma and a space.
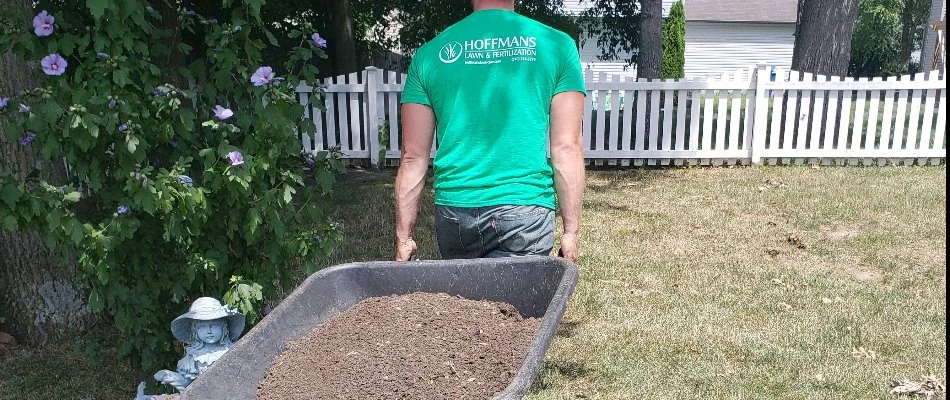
694, 132
654, 122
588, 106
667, 141
680, 123
709, 100
628, 107
304, 98
887, 118
778, 99
870, 134
927, 128
817, 117
831, 119
750, 109
914, 125
900, 128
330, 115
640, 134
805, 110
614, 131
601, 117
914, 117
735, 113
393, 100
844, 125
791, 117
938, 142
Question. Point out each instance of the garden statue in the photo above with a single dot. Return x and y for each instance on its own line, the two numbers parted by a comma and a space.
209, 329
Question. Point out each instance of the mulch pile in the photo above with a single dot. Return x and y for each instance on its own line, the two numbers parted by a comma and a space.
417, 346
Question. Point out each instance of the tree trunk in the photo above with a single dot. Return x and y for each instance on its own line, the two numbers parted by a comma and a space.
908, 32
823, 36
41, 297
342, 43
650, 56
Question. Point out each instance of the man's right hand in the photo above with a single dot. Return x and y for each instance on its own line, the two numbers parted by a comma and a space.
570, 247
405, 249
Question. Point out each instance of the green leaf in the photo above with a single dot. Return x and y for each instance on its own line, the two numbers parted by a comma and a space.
98, 7
253, 219
72, 197
95, 300
132, 143
288, 194
9, 222
10, 194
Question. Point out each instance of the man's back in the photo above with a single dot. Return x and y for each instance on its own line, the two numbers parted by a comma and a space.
489, 80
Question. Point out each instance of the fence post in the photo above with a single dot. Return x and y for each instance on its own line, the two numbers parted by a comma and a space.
373, 81
760, 121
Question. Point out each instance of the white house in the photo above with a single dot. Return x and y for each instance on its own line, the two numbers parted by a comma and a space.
721, 36
726, 35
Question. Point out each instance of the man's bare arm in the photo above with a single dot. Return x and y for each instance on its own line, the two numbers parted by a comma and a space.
567, 156
418, 127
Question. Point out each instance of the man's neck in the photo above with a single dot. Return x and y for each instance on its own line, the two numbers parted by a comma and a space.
493, 4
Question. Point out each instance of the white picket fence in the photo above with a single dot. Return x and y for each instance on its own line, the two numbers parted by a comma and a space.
748, 116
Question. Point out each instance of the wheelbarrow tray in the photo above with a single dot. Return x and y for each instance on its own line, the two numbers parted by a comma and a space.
539, 287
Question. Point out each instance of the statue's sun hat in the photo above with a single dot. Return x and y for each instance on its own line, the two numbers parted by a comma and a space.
207, 309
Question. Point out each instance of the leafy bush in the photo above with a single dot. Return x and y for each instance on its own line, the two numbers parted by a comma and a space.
674, 43
185, 171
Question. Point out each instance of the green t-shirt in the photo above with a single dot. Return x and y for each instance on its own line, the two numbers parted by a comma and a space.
489, 79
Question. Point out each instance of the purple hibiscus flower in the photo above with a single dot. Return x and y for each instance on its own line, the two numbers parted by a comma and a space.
54, 64
43, 24
123, 128
27, 139
24, 109
319, 41
3, 102
102, 55
122, 210
112, 103
262, 76
222, 113
185, 179
236, 158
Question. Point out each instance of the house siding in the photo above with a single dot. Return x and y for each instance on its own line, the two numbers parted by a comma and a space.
713, 48
938, 10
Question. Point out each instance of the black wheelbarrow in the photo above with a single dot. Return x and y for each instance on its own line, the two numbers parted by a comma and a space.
538, 287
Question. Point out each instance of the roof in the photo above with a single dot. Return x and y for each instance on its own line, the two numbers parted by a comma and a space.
775, 11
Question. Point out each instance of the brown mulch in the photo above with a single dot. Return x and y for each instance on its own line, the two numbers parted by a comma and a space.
417, 346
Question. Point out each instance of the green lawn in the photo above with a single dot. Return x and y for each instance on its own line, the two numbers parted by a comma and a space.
690, 287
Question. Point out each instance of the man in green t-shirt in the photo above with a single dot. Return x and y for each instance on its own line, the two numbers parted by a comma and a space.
503, 92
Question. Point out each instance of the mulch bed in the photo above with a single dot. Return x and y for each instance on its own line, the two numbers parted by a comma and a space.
417, 346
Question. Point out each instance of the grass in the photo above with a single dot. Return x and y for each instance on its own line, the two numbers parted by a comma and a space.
691, 289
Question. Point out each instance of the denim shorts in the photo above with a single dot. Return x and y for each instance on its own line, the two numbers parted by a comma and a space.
495, 231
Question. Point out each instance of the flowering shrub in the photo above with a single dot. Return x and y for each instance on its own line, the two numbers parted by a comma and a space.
185, 178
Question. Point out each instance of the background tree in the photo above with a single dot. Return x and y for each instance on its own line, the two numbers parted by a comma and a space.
42, 298
674, 43
823, 35
616, 25
885, 34
650, 55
